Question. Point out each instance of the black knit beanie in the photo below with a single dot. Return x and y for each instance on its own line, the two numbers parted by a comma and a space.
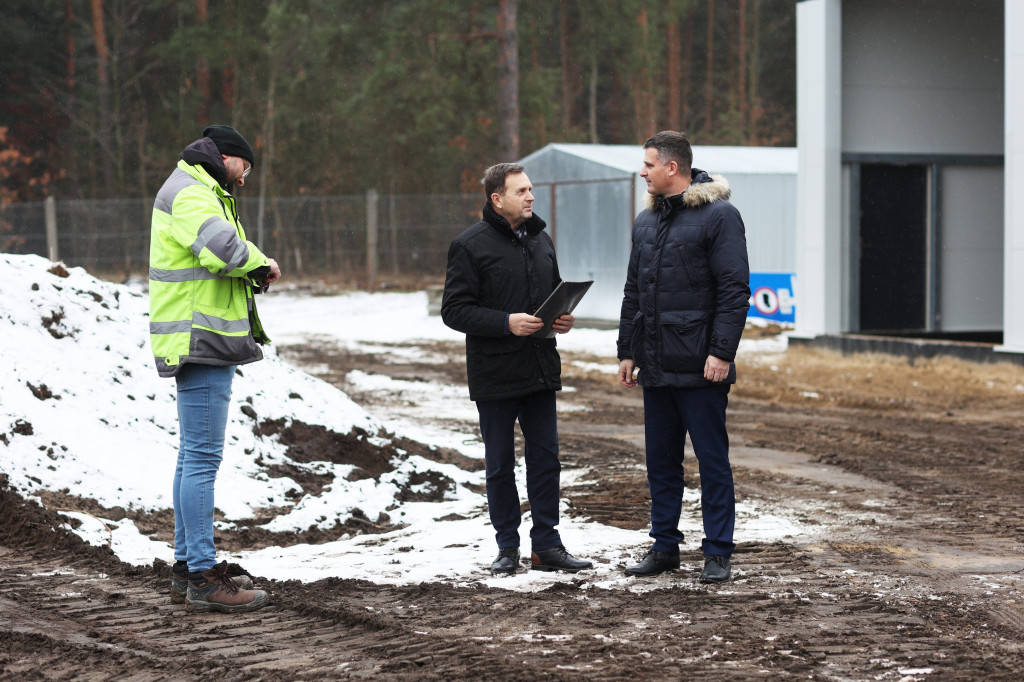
229, 141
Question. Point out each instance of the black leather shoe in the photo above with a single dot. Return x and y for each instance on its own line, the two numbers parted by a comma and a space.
557, 559
653, 563
507, 561
717, 569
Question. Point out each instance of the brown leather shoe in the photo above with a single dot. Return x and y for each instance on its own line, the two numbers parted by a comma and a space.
221, 593
179, 580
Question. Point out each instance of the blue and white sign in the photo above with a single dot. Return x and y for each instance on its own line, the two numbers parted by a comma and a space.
771, 296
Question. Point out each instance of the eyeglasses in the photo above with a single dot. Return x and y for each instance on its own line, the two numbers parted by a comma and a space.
248, 167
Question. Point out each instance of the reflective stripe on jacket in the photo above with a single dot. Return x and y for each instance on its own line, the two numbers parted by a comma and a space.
201, 306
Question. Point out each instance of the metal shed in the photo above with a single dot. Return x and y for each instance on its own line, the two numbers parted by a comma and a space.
589, 195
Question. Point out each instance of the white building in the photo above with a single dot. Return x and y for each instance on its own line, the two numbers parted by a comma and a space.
910, 131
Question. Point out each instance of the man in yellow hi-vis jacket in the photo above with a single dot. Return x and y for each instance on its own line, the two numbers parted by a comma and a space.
203, 273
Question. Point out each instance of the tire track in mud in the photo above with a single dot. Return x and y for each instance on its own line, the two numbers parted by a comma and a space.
929, 497
788, 613
66, 622
971, 470
914, 582
854, 604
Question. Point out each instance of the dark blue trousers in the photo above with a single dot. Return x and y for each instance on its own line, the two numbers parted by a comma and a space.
669, 414
536, 415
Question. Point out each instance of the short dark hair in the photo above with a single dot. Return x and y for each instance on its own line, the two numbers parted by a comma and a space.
494, 177
672, 146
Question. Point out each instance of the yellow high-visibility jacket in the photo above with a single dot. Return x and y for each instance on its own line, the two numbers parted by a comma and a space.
201, 305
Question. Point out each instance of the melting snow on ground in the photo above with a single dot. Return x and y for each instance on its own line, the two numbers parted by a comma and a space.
82, 411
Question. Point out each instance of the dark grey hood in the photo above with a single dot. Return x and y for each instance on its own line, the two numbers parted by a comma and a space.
203, 152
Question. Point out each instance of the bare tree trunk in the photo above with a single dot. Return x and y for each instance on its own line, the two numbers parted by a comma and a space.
69, 50
103, 132
741, 76
508, 81
537, 128
229, 76
267, 159
755, 74
688, 65
615, 108
672, 36
646, 122
141, 135
202, 71
70, 67
709, 76
593, 102
568, 91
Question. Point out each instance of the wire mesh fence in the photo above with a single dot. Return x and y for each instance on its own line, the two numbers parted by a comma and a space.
361, 237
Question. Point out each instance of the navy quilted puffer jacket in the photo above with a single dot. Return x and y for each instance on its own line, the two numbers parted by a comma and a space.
688, 285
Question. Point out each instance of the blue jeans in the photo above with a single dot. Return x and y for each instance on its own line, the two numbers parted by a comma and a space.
204, 394
539, 424
669, 414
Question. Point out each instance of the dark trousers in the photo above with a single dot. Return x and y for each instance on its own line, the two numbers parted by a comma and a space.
669, 414
536, 415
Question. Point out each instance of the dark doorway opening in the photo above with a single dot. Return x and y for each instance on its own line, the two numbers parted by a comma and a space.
893, 248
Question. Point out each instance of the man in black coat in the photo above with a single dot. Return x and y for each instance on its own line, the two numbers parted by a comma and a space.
684, 307
499, 270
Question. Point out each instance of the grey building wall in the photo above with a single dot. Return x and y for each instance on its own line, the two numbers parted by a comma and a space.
971, 251
924, 78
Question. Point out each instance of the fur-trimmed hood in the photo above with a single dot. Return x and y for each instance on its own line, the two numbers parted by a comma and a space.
704, 189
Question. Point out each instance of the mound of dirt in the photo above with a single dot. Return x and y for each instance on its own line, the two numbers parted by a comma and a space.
30, 527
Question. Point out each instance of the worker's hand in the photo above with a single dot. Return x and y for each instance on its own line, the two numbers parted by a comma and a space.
524, 324
275, 272
626, 377
716, 369
563, 323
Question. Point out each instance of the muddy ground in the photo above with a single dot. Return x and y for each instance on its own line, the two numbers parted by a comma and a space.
909, 479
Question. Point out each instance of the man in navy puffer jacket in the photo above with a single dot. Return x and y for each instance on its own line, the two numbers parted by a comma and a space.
684, 306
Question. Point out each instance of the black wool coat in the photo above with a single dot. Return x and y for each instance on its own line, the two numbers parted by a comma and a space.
492, 273
687, 288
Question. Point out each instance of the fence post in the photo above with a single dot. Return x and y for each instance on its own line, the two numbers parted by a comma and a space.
50, 211
394, 230
371, 235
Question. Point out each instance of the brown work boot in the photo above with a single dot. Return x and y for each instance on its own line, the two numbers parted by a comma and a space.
218, 592
179, 580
